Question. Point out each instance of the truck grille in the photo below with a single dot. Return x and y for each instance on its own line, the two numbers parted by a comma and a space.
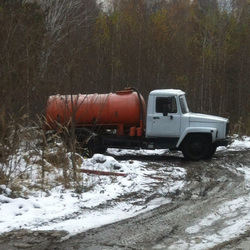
227, 129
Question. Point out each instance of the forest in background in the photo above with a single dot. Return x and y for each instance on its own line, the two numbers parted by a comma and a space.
77, 46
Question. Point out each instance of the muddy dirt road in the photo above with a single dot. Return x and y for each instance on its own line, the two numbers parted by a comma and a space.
202, 215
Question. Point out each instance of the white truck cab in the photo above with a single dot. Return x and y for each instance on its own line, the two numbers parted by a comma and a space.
196, 135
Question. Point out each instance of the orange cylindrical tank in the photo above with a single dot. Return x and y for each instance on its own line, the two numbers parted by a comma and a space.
122, 108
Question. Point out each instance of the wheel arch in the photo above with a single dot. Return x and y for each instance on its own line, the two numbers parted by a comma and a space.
197, 146
189, 134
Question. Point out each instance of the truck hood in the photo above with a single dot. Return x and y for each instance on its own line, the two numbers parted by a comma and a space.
195, 117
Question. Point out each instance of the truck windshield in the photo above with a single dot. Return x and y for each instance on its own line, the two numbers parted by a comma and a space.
184, 106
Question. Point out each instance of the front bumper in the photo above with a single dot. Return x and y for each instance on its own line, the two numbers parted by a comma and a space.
224, 142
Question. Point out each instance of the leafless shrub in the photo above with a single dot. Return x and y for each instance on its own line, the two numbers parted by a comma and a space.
238, 128
31, 151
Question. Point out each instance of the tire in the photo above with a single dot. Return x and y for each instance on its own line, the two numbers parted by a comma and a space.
101, 150
91, 147
211, 152
197, 147
94, 147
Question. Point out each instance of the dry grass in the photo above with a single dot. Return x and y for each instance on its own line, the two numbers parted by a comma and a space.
32, 159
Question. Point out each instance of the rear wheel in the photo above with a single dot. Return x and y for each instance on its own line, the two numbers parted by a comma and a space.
91, 146
101, 150
197, 147
95, 147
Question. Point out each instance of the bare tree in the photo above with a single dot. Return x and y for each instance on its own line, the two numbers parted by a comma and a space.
60, 14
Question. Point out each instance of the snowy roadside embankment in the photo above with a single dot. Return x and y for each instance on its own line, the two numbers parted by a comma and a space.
102, 199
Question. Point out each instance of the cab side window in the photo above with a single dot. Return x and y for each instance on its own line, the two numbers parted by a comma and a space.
166, 105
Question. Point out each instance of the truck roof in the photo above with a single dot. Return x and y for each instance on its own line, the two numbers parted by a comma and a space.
167, 92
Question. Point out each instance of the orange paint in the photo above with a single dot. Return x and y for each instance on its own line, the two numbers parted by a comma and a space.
119, 110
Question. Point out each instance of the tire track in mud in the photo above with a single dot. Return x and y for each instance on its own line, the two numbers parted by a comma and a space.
209, 184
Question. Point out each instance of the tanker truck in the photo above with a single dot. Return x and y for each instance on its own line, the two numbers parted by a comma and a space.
121, 120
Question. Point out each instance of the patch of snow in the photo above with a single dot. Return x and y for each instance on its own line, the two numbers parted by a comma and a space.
120, 152
243, 143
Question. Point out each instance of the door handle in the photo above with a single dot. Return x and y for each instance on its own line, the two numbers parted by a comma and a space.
156, 117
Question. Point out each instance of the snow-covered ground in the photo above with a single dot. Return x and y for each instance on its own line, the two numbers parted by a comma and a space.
103, 198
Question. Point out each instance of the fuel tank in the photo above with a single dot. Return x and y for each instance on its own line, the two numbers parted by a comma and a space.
124, 109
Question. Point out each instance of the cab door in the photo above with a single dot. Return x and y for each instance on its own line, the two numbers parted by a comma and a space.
166, 120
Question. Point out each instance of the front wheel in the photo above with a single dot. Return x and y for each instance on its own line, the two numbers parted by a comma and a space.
197, 147
211, 152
